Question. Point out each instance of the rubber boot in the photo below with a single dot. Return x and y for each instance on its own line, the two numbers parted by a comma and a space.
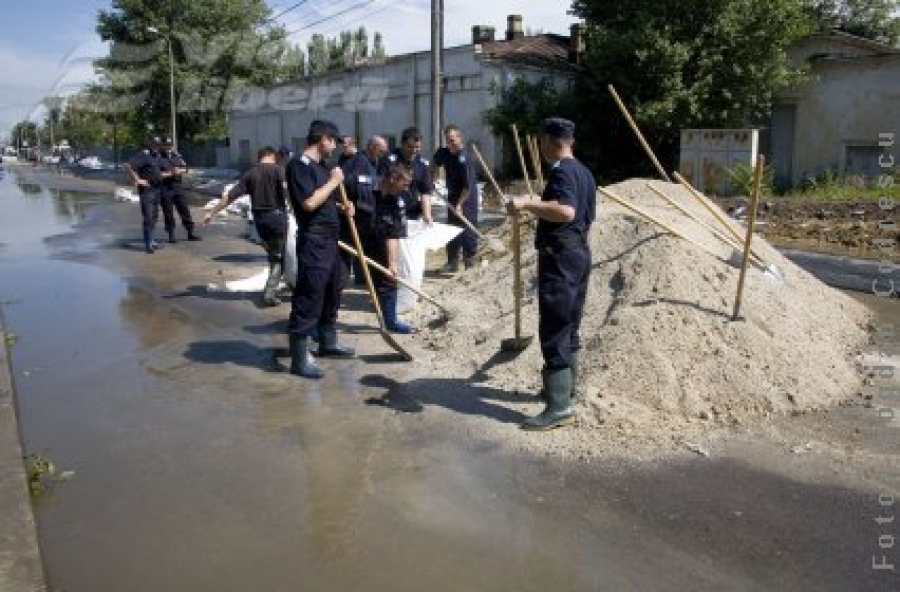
302, 363
575, 366
193, 236
329, 346
172, 238
392, 320
148, 243
558, 412
269, 296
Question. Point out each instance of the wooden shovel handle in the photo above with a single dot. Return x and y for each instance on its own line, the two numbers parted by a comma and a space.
637, 132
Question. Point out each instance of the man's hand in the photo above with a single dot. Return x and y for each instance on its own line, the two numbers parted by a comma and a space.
349, 210
514, 205
336, 176
141, 183
395, 271
207, 218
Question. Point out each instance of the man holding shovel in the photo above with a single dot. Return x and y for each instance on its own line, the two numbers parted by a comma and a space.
565, 213
320, 277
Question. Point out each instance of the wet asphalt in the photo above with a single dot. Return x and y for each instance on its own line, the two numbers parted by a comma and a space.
201, 465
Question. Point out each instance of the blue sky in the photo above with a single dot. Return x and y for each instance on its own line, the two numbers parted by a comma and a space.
46, 46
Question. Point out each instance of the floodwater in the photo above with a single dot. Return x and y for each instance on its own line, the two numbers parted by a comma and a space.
197, 471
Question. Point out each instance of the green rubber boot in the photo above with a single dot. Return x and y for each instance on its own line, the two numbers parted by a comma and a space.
558, 391
302, 364
576, 396
270, 297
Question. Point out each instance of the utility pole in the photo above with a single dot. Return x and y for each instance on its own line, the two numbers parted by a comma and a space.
437, 47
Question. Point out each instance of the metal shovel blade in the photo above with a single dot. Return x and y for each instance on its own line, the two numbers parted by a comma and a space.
516, 344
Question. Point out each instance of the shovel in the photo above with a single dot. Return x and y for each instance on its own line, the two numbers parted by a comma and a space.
448, 314
518, 343
388, 338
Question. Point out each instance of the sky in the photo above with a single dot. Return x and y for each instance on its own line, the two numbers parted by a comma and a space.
47, 46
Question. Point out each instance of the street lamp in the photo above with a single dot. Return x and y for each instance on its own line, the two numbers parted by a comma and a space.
171, 84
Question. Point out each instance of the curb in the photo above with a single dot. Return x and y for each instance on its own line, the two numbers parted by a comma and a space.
21, 569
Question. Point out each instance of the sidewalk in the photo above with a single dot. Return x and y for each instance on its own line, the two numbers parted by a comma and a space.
20, 559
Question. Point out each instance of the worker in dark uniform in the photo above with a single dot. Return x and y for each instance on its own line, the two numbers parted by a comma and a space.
462, 196
266, 186
348, 150
173, 197
390, 227
418, 197
320, 279
145, 169
361, 180
565, 213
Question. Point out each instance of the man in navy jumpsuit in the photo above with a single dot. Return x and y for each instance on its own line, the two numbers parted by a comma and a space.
361, 180
418, 197
462, 196
565, 213
145, 168
320, 278
389, 228
173, 197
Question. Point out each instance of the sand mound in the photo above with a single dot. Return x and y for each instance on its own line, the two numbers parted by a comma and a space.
661, 354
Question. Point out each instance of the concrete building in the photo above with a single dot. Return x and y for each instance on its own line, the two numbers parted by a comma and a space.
833, 122
388, 97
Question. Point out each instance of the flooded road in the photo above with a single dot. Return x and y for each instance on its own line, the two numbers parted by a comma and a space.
199, 466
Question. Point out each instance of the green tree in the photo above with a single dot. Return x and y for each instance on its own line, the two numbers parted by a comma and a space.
679, 64
872, 19
347, 50
219, 47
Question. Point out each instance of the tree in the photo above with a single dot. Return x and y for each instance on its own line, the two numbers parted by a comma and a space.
873, 19
219, 46
679, 64
349, 49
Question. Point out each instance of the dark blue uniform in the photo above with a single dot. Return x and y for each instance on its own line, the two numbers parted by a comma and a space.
390, 223
564, 262
360, 180
147, 166
173, 197
320, 277
421, 182
459, 173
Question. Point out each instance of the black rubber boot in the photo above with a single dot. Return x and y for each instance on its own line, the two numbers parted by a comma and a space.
329, 346
269, 296
148, 243
558, 412
302, 363
172, 238
193, 236
575, 366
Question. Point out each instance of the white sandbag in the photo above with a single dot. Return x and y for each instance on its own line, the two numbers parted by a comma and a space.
289, 274
419, 238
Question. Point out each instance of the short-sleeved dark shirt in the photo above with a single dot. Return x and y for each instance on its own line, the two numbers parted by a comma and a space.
390, 223
421, 182
264, 183
147, 165
304, 176
360, 179
572, 184
169, 161
459, 171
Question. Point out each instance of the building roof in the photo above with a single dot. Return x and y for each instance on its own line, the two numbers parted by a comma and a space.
540, 51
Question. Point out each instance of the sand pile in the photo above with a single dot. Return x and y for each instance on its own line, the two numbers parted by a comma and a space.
661, 354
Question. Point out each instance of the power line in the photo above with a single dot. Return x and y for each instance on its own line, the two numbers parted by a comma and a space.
367, 16
286, 10
332, 17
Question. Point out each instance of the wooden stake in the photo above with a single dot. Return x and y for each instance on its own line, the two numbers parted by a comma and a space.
637, 131
535, 152
521, 154
751, 223
487, 171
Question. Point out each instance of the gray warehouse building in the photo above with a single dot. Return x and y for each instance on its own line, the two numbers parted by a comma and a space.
387, 97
